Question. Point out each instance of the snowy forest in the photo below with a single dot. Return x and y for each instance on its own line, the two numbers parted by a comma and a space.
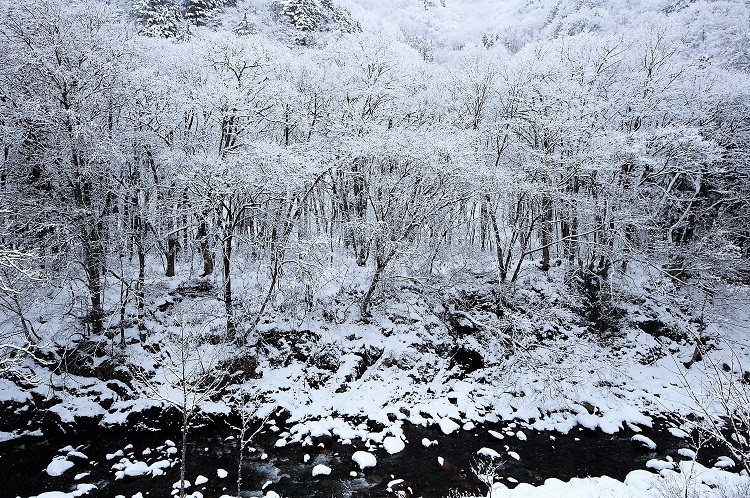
349, 248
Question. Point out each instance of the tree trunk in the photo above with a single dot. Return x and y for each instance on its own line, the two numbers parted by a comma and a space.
185, 419
227, 267
380, 265
205, 247
546, 230
502, 268
173, 245
359, 189
93, 266
365, 307
140, 292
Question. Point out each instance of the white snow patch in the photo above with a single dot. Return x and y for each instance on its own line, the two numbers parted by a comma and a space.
393, 445
177, 484
116, 454
687, 452
659, 464
136, 469
496, 434
393, 483
58, 466
321, 470
678, 433
724, 462
448, 426
488, 452
364, 459
644, 441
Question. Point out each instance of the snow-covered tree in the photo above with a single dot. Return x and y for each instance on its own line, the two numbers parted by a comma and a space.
160, 17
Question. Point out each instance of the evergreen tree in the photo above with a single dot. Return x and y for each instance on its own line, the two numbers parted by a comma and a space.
158, 17
317, 15
201, 12
245, 27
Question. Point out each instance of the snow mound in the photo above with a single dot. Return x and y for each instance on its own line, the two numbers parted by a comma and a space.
724, 462
447, 425
496, 434
81, 489
659, 464
678, 433
488, 452
364, 459
643, 441
321, 470
695, 478
136, 469
58, 466
687, 453
393, 445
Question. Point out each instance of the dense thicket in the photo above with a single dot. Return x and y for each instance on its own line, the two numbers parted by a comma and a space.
595, 152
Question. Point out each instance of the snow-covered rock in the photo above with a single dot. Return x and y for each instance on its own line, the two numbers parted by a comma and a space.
58, 466
136, 469
448, 426
643, 441
488, 452
364, 459
393, 445
687, 453
177, 484
496, 434
321, 470
678, 433
659, 464
724, 462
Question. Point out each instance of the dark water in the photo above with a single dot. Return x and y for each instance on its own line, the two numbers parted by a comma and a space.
580, 453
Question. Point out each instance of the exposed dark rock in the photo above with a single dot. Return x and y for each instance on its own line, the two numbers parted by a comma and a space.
282, 347
241, 368
195, 288
327, 358
467, 359
110, 369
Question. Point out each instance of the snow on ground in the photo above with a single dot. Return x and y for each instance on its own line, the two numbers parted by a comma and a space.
399, 366
691, 479
337, 378
81, 490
